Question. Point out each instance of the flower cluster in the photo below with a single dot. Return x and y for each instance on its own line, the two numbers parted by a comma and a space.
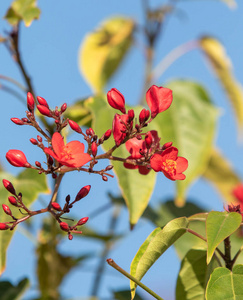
237, 192
146, 153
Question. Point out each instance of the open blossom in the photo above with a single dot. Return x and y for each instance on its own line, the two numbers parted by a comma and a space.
158, 99
169, 163
70, 155
119, 128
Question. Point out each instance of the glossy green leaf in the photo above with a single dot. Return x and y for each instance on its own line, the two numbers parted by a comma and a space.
222, 67
11, 292
30, 184
154, 246
22, 10
194, 274
103, 50
136, 189
220, 225
225, 285
185, 125
220, 173
125, 295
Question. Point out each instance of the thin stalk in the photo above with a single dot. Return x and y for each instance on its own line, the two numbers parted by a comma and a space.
56, 187
15, 82
12, 92
111, 262
227, 251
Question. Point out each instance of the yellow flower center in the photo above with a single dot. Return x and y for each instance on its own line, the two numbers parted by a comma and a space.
169, 166
66, 153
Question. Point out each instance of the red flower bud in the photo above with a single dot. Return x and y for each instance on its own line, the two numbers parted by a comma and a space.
75, 126
82, 221
82, 193
91, 131
167, 145
64, 226
94, 148
13, 200
63, 107
9, 187
42, 101
38, 164
17, 158
17, 121
70, 237
7, 210
33, 141
4, 226
107, 134
148, 140
131, 114
30, 102
56, 206
105, 178
142, 116
116, 100
45, 111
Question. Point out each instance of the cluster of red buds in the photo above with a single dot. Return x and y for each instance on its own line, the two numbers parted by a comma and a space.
146, 153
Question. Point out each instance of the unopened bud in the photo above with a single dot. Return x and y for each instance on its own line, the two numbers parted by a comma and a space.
42, 101
70, 237
38, 164
83, 192
108, 168
56, 206
142, 116
82, 221
17, 121
25, 119
87, 132
94, 148
12, 200
64, 226
30, 102
116, 100
105, 178
45, 111
91, 131
75, 126
148, 140
9, 187
131, 114
7, 210
54, 176
17, 158
33, 141
68, 198
4, 226
50, 160
167, 145
107, 134
39, 138
63, 107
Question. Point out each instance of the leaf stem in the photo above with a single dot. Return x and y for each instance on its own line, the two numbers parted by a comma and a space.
111, 262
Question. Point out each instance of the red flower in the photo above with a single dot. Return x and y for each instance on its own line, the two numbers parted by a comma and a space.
158, 99
169, 163
116, 100
17, 158
70, 155
119, 128
238, 193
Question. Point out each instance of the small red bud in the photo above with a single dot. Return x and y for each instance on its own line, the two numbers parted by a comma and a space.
83, 192
17, 121
7, 210
25, 119
9, 187
167, 145
87, 132
54, 176
74, 126
131, 114
4, 226
12, 200
30, 102
94, 148
91, 131
108, 168
64, 226
17, 158
107, 134
50, 160
147, 114
105, 178
39, 138
63, 107
45, 111
148, 140
68, 199
42, 101
70, 237
33, 141
38, 164
82, 221
57, 113
56, 206
142, 116
116, 100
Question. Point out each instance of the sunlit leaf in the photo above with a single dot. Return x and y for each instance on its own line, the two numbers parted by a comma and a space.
185, 124
194, 274
30, 184
11, 292
221, 64
154, 246
125, 295
225, 285
220, 225
22, 10
103, 50
221, 174
136, 189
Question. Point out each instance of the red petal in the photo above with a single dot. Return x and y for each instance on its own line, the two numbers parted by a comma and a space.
170, 153
143, 170
156, 162
133, 146
181, 164
57, 143
50, 152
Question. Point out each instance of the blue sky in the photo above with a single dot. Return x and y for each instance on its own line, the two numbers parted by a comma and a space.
50, 52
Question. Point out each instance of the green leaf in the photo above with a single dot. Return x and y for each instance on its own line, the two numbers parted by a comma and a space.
185, 125
125, 295
220, 173
30, 184
194, 274
11, 292
154, 246
220, 225
221, 64
103, 50
225, 285
136, 189
22, 10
